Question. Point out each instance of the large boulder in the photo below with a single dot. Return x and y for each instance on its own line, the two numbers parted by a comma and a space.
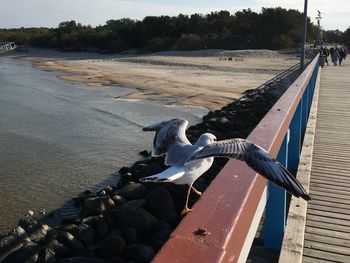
55, 248
69, 240
91, 207
47, 256
160, 203
137, 218
112, 246
130, 235
160, 200
27, 222
28, 253
38, 232
101, 228
12, 241
132, 191
85, 234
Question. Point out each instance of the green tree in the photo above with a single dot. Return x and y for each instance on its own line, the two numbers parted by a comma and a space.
346, 37
333, 36
272, 28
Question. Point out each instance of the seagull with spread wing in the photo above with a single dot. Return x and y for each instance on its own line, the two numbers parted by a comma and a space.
188, 162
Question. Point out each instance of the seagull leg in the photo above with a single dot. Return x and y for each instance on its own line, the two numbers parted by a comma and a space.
186, 209
196, 191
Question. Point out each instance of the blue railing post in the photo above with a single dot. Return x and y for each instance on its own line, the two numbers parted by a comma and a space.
309, 96
276, 207
307, 100
313, 82
304, 110
288, 155
295, 141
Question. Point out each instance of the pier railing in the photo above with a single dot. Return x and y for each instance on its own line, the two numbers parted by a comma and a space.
7, 46
229, 211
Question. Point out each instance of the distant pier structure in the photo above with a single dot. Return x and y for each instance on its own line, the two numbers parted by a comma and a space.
7, 46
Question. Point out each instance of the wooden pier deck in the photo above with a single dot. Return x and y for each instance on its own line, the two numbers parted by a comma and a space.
327, 231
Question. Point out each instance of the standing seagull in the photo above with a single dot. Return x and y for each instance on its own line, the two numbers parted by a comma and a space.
188, 162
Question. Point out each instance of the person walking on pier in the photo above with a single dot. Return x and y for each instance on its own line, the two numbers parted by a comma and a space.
341, 55
335, 56
323, 56
326, 53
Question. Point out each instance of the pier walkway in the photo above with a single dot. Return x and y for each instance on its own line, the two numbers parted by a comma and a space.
327, 231
320, 231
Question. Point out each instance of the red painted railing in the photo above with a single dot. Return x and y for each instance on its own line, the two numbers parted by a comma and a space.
230, 209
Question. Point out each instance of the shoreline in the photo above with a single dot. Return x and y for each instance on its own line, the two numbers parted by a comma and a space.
131, 221
127, 221
195, 78
67, 136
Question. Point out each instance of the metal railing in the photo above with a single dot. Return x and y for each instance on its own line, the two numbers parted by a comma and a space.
231, 208
289, 155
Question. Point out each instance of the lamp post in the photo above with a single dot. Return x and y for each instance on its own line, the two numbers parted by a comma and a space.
302, 55
318, 18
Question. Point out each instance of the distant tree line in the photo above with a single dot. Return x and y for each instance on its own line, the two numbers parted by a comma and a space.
336, 36
272, 28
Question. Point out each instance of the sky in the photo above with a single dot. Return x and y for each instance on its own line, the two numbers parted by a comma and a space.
49, 13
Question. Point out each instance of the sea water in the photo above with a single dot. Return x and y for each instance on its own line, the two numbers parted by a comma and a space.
59, 138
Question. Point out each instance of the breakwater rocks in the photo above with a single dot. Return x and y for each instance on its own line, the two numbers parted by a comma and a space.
130, 222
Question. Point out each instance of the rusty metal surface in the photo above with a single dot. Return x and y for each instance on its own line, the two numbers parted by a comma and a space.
227, 207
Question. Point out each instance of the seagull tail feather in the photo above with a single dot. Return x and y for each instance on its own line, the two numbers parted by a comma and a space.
154, 179
169, 175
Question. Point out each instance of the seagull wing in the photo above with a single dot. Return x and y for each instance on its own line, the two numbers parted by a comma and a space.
168, 133
257, 159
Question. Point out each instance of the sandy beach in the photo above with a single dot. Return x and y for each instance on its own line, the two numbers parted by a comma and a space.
208, 78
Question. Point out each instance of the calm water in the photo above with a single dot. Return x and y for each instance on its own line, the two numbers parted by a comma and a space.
58, 138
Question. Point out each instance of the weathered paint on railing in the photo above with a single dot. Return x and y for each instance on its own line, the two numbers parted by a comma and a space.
231, 206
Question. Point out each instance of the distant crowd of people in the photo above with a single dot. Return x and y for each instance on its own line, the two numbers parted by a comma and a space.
336, 54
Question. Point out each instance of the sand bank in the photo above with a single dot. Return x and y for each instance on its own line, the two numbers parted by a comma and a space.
208, 78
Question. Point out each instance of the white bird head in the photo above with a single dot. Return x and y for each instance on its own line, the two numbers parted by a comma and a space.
205, 139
